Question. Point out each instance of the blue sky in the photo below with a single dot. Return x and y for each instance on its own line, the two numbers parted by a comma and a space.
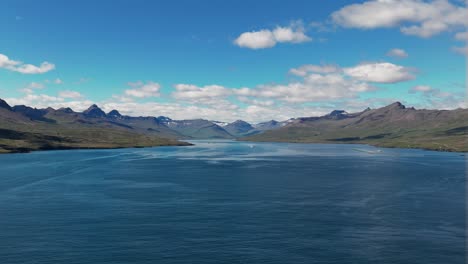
233, 60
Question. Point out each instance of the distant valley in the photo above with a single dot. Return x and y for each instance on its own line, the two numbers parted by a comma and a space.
24, 129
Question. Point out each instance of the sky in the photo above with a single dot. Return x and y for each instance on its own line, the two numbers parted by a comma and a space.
229, 60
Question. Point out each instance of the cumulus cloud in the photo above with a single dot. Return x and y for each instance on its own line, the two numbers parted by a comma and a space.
266, 38
421, 88
256, 39
56, 102
35, 100
211, 95
35, 85
18, 66
436, 98
70, 94
256, 102
379, 72
382, 72
144, 90
463, 36
313, 88
288, 34
190, 91
461, 50
413, 17
305, 69
397, 53
315, 83
32, 86
251, 113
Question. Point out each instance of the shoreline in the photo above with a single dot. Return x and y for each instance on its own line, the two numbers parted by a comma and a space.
361, 143
187, 144
4, 151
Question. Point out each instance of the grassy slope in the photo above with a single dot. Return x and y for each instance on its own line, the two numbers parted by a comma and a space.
20, 134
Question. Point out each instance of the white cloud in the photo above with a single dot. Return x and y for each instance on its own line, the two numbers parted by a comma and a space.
305, 69
212, 95
189, 92
35, 100
383, 72
58, 81
435, 98
288, 34
266, 38
320, 83
315, 83
18, 66
256, 39
463, 36
397, 53
35, 85
251, 113
461, 50
247, 100
174, 110
144, 90
414, 17
313, 88
422, 89
32, 86
5, 62
70, 94
44, 101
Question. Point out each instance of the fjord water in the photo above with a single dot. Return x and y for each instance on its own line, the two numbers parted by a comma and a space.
233, 202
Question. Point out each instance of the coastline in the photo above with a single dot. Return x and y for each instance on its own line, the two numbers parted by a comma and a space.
380, 145
24, 150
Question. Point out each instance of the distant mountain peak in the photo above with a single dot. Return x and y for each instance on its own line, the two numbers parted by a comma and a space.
94, 111
396, 105
239, 122
163, 119
67, 110
220, 123
272, 122
114, 113
32, 113
337, 113
267, 125
5, 105
238, 127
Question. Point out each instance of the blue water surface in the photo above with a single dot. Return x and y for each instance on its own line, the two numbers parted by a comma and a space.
233, 202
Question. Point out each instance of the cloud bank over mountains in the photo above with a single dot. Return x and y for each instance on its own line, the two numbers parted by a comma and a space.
310, 90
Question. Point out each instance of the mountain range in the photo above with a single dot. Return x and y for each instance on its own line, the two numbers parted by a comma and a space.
391, 126
24, 128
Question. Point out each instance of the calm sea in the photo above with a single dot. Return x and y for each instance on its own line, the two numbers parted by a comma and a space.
233, 202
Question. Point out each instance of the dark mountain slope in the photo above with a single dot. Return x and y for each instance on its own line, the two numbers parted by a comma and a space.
238, 128
390, 126
199, 129
26, 129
